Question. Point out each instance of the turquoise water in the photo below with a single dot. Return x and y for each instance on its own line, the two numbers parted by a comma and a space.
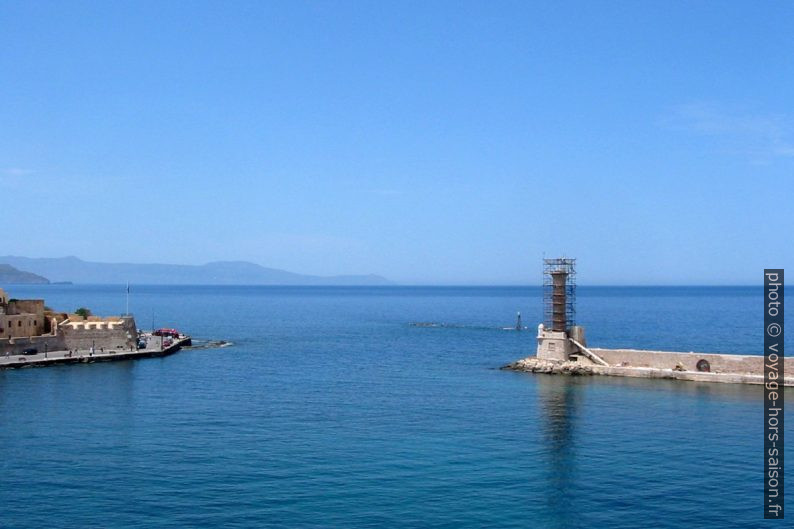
331, 410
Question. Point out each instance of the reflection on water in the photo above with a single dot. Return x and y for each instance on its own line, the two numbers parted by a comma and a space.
557, 405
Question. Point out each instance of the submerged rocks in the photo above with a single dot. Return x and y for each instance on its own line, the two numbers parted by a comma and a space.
535, 365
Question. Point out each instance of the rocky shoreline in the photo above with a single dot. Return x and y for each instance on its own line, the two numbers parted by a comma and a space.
535, 365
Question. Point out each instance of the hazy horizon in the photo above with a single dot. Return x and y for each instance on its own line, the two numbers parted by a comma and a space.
530, 282
444, 143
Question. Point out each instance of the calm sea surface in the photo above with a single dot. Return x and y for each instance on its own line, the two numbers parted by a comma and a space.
331, 410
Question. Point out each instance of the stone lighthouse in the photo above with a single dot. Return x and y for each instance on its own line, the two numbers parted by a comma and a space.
559, 299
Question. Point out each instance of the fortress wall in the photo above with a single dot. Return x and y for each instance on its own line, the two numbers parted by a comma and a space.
720, 363
121, 337
17, 345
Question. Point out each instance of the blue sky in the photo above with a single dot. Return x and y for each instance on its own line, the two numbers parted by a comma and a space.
430, 142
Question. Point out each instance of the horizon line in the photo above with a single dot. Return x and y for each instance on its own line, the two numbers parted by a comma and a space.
393, 285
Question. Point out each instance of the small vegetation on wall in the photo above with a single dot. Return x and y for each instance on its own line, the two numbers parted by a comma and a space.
82, 311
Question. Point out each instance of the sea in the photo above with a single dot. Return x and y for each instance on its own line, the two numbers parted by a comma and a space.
385, 407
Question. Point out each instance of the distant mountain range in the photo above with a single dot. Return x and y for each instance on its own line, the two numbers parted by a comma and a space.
11, 276
72, 269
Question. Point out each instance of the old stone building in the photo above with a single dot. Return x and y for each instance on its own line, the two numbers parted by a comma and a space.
21, 318
28, 324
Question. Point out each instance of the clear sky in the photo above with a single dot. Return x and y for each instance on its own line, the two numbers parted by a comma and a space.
430, 142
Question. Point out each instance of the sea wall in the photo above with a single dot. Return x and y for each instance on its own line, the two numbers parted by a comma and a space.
534, 364
46, 342
100, 335
108, 334
719, 363
84, 356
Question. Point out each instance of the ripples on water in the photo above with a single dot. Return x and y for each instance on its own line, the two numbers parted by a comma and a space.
330, 410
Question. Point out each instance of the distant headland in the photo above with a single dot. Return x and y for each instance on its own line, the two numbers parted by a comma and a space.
12, 276
75, 270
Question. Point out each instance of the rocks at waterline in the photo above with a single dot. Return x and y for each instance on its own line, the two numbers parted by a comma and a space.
534, 365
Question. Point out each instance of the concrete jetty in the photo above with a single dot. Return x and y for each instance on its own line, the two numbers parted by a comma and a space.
563, 352
154, 348
728, 368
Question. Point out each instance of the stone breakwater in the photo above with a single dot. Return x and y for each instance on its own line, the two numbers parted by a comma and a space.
550, 367
534, 364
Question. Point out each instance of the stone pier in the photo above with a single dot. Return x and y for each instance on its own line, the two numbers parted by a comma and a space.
559, 353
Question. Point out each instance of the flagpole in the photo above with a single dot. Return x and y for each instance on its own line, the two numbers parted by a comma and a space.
128, 298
